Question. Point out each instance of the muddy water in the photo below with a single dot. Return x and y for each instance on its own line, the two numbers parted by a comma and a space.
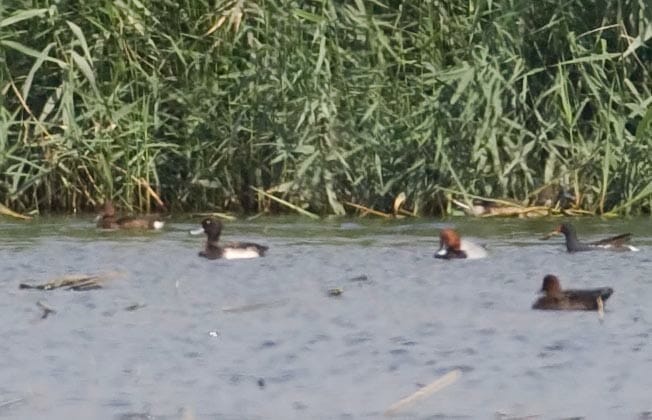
175, 336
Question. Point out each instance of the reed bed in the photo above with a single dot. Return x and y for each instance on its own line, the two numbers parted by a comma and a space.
223, 105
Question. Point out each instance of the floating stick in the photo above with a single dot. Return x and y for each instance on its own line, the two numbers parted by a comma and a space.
253, 306
11, 402
47, 310
77, 282
427, 390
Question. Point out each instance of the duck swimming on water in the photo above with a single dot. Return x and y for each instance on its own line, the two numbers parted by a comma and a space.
230, 251
451, 246
614, 243
107, 220
579, 300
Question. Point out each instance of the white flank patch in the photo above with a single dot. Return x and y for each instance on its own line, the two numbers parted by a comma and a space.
441, 252
609, 246
158, 224
239, 253
197, 231
472, 250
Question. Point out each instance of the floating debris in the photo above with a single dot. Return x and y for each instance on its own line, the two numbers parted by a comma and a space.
77, 282
505, 416
362, 277
435, 386
136, 416
47, 310
336, 291
135, 307
261, 382
253, 306
8, 403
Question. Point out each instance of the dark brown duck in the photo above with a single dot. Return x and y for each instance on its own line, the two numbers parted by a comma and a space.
555, 298
107, 219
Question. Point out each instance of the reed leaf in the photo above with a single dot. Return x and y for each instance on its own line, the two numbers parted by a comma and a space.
323, 103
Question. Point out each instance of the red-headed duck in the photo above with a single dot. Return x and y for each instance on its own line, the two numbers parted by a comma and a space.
107, 220
451, 246
614, 243
573, 300
231, 251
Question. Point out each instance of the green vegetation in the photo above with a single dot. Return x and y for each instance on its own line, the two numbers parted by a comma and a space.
323, 102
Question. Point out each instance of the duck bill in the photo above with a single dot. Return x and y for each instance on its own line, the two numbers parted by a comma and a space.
550, 235
442, 252
197, 231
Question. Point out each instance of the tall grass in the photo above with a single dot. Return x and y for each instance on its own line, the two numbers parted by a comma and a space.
324, 102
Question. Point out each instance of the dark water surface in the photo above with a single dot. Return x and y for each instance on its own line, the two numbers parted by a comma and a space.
261, 339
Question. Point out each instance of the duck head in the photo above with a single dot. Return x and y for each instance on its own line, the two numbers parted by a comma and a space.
449, 245
211, 227
551, 285
565, 229
105, 211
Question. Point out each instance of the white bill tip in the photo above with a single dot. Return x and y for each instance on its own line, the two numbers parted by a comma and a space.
197, 231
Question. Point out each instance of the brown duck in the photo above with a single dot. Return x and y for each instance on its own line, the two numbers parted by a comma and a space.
107, 220
573, 300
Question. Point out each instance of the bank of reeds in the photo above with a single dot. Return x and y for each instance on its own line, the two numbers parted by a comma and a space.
324, 102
